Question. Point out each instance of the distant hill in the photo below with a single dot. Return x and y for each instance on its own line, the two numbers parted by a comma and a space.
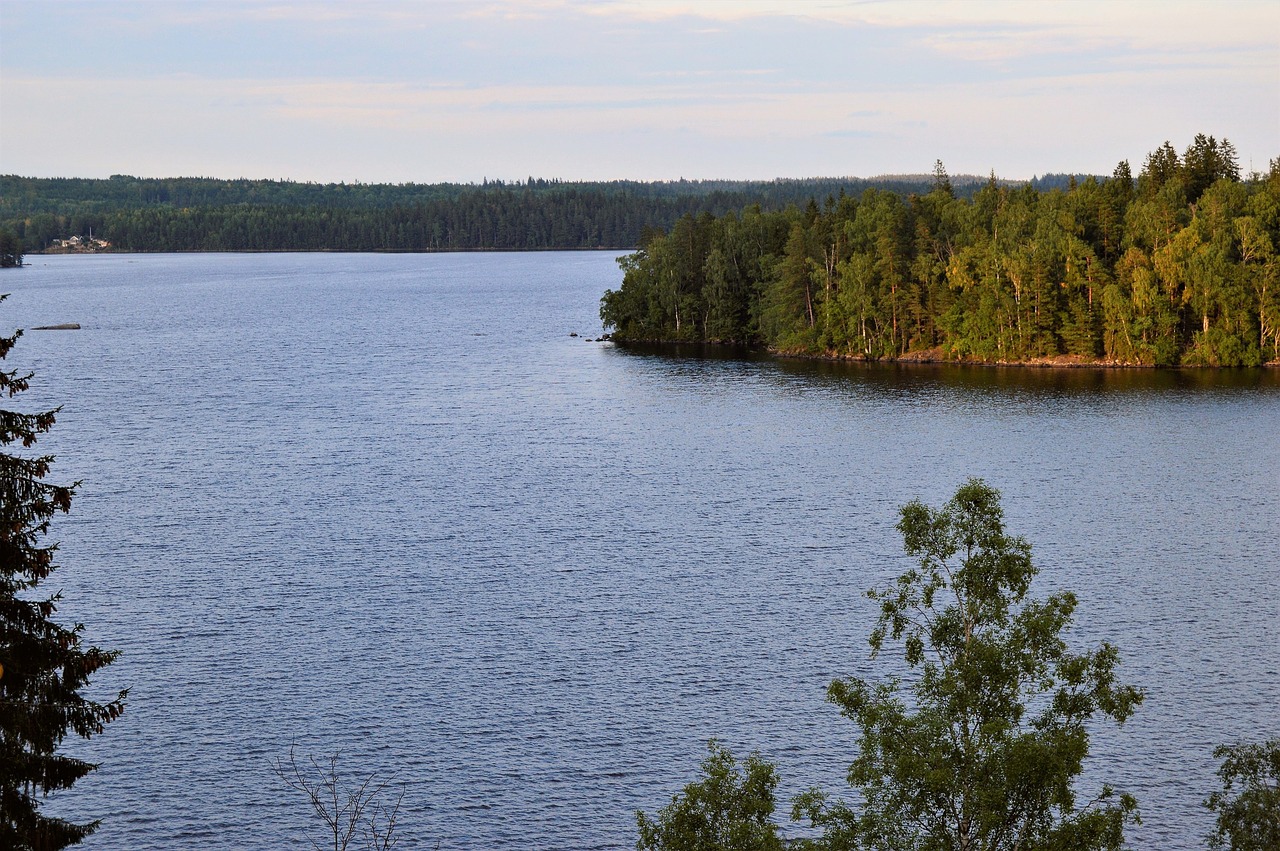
208, 214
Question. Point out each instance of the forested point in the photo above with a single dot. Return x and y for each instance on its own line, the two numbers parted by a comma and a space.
1177, 267
10, 249
126, 213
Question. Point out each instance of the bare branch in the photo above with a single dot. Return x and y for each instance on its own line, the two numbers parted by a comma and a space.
346, 811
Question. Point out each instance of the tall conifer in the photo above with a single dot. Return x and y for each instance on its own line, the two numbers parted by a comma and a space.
43, 665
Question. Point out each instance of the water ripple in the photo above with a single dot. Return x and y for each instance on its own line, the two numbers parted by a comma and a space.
529, 576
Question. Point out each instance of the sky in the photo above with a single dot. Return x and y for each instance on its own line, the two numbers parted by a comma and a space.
429, 92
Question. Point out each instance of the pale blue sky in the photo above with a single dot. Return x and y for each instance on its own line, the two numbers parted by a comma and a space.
460, 91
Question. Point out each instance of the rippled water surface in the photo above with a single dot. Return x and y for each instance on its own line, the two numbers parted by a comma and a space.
386, 506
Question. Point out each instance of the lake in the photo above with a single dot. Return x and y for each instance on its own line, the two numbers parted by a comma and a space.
387, 507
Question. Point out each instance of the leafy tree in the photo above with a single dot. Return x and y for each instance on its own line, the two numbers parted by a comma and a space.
983, 749
43, 665
1248, 805
725, 811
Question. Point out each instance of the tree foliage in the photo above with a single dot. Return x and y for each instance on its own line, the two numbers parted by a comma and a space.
10, 249
980, 749
729, 809
1248, 805
44, 666
1177, 267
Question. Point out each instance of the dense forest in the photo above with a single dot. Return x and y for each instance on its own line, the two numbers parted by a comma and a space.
1176, 267
203, 214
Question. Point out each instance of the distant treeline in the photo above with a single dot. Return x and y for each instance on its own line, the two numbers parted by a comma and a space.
203, 214
1176, 267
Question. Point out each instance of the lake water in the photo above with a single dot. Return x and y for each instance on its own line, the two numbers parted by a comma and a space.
385, 506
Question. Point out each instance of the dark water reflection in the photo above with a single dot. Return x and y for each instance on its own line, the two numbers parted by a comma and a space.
970, 378
387, 506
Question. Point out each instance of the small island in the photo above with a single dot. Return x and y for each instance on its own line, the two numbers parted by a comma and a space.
10, 249
1175, 268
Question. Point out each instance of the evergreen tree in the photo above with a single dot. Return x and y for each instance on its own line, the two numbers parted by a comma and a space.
1207, 161
43, 665
1162, 166
941, 180
10, 249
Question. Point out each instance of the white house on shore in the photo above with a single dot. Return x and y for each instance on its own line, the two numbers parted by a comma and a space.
79, 243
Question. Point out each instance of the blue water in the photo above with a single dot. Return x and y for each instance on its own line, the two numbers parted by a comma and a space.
384, 506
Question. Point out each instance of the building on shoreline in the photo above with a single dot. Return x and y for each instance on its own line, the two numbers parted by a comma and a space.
78, 244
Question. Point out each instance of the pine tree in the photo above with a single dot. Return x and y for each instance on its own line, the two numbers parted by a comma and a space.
43, 665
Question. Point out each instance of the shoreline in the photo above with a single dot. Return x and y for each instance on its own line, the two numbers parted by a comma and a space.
61, 252
935, 357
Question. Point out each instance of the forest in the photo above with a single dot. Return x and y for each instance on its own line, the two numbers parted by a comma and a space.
1175, 267
206, 214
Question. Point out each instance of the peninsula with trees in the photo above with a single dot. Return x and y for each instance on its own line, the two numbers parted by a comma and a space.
1175, 267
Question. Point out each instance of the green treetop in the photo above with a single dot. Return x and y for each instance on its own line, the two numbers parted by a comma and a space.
981, 750
728, 810
10, 249
1248, 805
